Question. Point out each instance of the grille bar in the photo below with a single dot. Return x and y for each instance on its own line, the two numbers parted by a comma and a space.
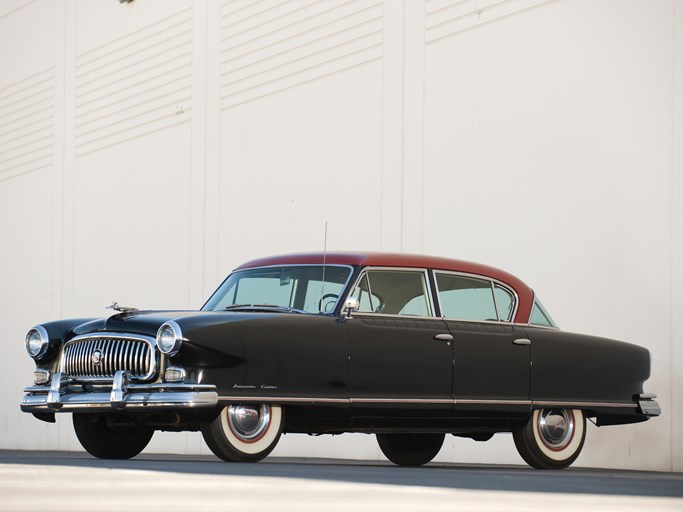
100, 357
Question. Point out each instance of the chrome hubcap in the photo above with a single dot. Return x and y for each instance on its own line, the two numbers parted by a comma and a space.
556, 428
249, 422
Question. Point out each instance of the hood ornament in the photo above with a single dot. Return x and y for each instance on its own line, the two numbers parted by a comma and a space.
123, 309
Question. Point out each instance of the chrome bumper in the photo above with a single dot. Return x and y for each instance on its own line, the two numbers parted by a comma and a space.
61, 397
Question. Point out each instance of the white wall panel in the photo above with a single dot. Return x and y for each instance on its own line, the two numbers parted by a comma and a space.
27, 124
27, 38
27, 105
26, 88
135, 84
25, 231
131, 243
446, 18
101, 23
271, 46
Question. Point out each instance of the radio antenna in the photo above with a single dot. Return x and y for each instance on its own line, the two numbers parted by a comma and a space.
322, 287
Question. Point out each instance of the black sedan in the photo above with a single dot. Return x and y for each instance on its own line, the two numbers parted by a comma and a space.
410, 348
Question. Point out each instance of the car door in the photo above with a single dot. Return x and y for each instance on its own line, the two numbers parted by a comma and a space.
492, 357
400, 353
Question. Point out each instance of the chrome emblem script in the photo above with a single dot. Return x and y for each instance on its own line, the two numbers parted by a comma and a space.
96, 357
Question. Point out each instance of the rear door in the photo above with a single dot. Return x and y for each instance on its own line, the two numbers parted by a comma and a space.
492, 357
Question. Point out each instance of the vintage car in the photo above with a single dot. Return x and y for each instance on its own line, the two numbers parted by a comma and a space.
409, 348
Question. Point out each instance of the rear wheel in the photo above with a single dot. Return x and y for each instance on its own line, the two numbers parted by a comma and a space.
552, 438
244, 433
104, 441
410, 449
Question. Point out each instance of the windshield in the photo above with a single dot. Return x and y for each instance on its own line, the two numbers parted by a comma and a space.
307, 288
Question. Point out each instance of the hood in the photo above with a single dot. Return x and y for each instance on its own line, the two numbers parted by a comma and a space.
134, 322
148, 322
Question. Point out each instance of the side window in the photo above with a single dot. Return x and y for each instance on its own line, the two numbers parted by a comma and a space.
466, 298
393, 292
539, 316
368, 302
470, 298
505, 303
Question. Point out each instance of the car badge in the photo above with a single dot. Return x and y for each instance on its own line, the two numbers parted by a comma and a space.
96, 357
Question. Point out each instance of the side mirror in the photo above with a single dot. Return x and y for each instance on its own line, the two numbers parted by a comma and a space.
351, 305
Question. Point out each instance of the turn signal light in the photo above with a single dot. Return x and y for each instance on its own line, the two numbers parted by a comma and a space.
174, 374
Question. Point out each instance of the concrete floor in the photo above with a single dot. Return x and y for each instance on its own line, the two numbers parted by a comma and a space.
74, 481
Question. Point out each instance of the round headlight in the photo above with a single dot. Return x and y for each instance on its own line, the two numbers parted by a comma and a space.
36, 341
169, 338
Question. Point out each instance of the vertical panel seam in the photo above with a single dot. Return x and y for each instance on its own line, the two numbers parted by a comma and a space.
403, 124
672, 281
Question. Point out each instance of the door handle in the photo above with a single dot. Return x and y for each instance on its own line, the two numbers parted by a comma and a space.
522, 341
443, 337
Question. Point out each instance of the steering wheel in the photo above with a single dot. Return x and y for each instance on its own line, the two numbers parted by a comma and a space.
323, 298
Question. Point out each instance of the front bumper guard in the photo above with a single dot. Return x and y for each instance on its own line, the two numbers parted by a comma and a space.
123, 395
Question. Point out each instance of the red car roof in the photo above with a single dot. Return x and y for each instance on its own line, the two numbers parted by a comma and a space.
378, 259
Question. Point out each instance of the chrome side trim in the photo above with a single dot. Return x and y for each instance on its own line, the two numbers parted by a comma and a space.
123, 395
278, 399
283, 399
536, 326
584, 404
456, 401
466, 401
411, 317
401, 400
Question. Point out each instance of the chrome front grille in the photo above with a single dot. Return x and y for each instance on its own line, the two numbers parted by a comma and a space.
100, 357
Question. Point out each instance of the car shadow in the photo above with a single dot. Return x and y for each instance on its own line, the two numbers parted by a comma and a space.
436, 475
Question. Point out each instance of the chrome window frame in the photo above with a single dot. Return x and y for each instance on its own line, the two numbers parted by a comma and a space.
492, 282
429, 291
152, 342
336, 304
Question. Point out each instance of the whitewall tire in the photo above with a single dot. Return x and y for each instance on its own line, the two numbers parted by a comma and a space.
244, 432
552, 438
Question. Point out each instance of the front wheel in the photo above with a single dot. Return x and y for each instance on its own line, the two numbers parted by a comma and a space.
410, 449
244, 433
552, 438
104, 441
